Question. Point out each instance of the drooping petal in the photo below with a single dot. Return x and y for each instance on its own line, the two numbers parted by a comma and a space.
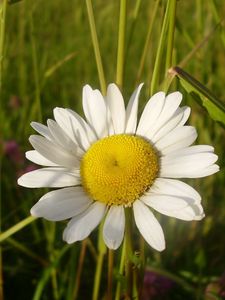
113, 230
82, 225
151, 113
178, 207
61, 204
95, 110
148, 226
49, 177
116, 107
178, 138
53, 152
39, 159
132, 111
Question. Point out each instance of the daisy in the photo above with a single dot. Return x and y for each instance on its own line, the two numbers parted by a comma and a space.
109, 161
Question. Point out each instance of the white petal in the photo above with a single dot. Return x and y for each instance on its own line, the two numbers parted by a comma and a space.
178, 207
62, 139
148, 226
132, 110
42, 129
39, 159
115, 103
187, 111
53, 152
62, 118
151, 113
82, 225
95, 110
61, 204
189, 162
113, 230
82, 131
49, 177
173, 187
186, 166
178, 138
172, 103
196, 174
190, 150
176, 121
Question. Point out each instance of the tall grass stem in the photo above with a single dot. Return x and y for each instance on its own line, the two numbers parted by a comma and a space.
121, 44
95, 43
12, 230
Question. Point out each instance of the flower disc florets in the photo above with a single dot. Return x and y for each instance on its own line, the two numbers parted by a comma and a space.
118, 169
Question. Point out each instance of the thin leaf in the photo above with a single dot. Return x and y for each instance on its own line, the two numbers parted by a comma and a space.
214, 106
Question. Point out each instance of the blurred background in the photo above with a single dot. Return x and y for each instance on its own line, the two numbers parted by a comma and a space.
48, 57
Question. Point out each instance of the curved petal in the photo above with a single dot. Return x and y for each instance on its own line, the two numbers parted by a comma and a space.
62, 139
53, 152
132, 111
172, 102
82, 225
116, 107
184, 166
190, 150
82, 131
170, 172
179, 207
61, 204
39, 159
49, 177
176, 121
63, 120
42, 129
148, 226
113, 230
95, 110
178, 138
172, 187
151, 113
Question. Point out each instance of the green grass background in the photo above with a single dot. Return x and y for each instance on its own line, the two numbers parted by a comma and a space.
39, 36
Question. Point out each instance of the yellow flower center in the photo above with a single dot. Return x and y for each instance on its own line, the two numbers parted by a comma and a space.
118, 169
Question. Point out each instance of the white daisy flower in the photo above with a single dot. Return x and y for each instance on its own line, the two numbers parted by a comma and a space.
110, 161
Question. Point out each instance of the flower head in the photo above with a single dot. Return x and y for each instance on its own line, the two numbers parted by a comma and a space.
111, 161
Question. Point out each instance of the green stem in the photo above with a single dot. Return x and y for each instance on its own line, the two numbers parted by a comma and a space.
159, 54
47, 273
98, 276
79, 269
121, 270
98, 272
96, 46
16, 228
128, 243
169, 52
36, 70
3, 7
147, 41
110, 273
121, 44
